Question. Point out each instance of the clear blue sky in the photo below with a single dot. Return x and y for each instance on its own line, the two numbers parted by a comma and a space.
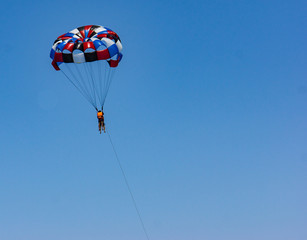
207, 111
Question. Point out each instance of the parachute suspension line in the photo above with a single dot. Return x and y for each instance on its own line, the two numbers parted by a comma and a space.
106, 69
91, 72
88, 99
95, 80
110, 77
108, 81
128, 187
84, 90
86, 70
112, 73
101, 79
82, 80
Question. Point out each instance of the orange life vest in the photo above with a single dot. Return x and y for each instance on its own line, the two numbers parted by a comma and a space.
99, 114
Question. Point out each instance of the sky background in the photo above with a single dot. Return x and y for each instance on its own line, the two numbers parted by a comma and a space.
207, 112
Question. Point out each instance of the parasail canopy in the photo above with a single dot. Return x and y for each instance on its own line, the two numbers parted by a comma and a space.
88, 57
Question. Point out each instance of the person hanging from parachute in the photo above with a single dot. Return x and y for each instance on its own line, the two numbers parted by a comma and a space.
88, 57
101, 124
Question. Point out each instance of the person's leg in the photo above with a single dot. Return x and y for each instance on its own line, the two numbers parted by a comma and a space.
99, 126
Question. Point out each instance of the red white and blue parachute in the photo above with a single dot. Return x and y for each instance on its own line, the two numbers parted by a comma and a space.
88, 57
